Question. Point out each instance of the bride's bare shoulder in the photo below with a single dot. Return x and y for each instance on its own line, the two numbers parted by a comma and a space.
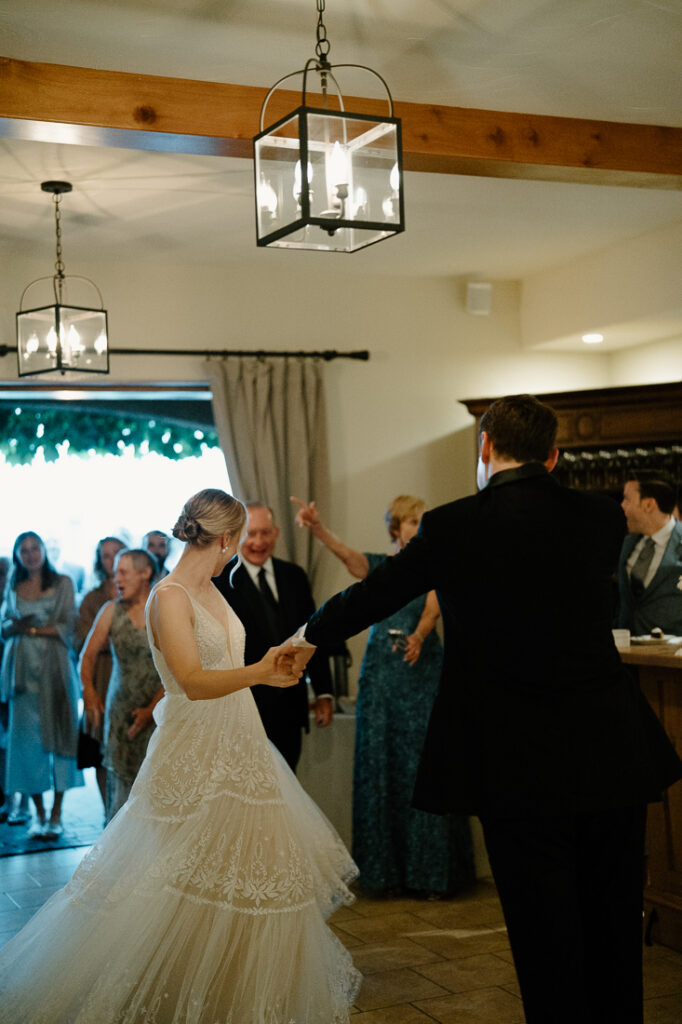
167, 597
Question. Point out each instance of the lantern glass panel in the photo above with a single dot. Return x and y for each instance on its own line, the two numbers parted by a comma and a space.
62, 338
330, 181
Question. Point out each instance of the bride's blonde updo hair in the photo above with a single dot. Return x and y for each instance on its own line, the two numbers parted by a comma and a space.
207, 515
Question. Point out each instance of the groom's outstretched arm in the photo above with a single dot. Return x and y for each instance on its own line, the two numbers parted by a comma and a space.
383, 591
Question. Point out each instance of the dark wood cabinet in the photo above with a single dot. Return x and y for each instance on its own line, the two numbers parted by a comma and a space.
660, 676
607, 433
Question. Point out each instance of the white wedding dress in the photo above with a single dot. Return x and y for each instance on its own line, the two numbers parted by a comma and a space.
204, 901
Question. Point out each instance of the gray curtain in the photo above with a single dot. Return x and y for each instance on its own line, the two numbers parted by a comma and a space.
271, 420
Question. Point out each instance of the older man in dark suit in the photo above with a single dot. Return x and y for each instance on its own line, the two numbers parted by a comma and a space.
271, 597
537, 728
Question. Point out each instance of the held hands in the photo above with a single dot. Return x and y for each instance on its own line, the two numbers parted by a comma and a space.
307, 514
299, 651
279, 666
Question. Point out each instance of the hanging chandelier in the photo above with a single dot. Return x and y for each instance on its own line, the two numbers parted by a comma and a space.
328, 179
61, 336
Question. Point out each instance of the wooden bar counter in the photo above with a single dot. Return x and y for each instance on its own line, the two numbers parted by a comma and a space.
660, 676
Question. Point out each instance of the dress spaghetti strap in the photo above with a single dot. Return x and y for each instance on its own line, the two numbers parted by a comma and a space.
171, 583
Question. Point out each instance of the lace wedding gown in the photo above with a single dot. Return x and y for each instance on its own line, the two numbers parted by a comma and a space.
204, 901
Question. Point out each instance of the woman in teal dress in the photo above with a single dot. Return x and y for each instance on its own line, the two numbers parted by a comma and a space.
40, 682
396, 847
134, 689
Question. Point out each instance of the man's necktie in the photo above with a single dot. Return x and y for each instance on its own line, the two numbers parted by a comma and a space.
271, 610
640, 569
265, 590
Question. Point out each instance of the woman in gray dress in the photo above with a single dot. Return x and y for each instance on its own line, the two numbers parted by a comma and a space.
134, 688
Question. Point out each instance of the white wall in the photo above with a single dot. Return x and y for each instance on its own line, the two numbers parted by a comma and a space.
648, 364
629, 292
395, 423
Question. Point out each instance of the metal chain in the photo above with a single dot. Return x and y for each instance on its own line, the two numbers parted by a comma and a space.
59, 265
322, 46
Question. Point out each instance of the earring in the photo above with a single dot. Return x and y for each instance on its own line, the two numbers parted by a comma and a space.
223, 550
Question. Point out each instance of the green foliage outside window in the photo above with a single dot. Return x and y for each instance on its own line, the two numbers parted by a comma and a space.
23, 430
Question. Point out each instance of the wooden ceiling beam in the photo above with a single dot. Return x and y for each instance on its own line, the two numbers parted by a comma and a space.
221, 118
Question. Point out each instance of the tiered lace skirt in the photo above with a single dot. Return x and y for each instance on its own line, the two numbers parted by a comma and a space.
204, 901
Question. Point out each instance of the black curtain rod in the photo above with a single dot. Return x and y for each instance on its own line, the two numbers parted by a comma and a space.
327, 354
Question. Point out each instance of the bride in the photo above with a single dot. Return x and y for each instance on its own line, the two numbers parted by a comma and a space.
204, 901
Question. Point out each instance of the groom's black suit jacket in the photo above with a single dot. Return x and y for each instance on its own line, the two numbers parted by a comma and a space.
535, 711
280, 709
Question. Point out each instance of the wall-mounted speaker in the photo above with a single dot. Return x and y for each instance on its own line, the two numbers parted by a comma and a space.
479, 298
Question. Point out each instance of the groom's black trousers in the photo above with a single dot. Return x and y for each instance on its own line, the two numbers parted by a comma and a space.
571, 890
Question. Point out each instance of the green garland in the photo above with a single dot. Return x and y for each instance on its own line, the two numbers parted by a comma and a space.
80, 432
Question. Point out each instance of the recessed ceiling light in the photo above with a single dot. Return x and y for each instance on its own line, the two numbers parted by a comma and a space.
593, 339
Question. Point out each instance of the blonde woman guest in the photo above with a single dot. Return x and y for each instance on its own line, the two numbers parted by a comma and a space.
40, 681
205, 898
134, 689
396, 847
105, 553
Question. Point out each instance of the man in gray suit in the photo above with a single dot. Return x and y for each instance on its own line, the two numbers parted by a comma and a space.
650, 565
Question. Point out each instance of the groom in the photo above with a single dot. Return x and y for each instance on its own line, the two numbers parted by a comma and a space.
537, 728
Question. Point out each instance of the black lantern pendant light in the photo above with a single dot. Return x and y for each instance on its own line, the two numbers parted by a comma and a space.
61, 337
328, 179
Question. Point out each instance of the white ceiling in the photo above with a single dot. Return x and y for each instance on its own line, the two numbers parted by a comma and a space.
604, 59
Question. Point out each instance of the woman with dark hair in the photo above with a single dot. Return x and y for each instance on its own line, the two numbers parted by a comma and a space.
40, 682
105, 553
134, 689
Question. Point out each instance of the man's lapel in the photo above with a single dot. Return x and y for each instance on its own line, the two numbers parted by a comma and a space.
247, 591
629, 545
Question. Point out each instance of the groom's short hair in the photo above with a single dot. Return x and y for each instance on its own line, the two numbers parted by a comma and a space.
520, 428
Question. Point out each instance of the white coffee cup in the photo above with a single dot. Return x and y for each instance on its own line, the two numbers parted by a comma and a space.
621, 638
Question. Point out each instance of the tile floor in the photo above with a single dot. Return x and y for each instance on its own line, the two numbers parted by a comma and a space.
422, 962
